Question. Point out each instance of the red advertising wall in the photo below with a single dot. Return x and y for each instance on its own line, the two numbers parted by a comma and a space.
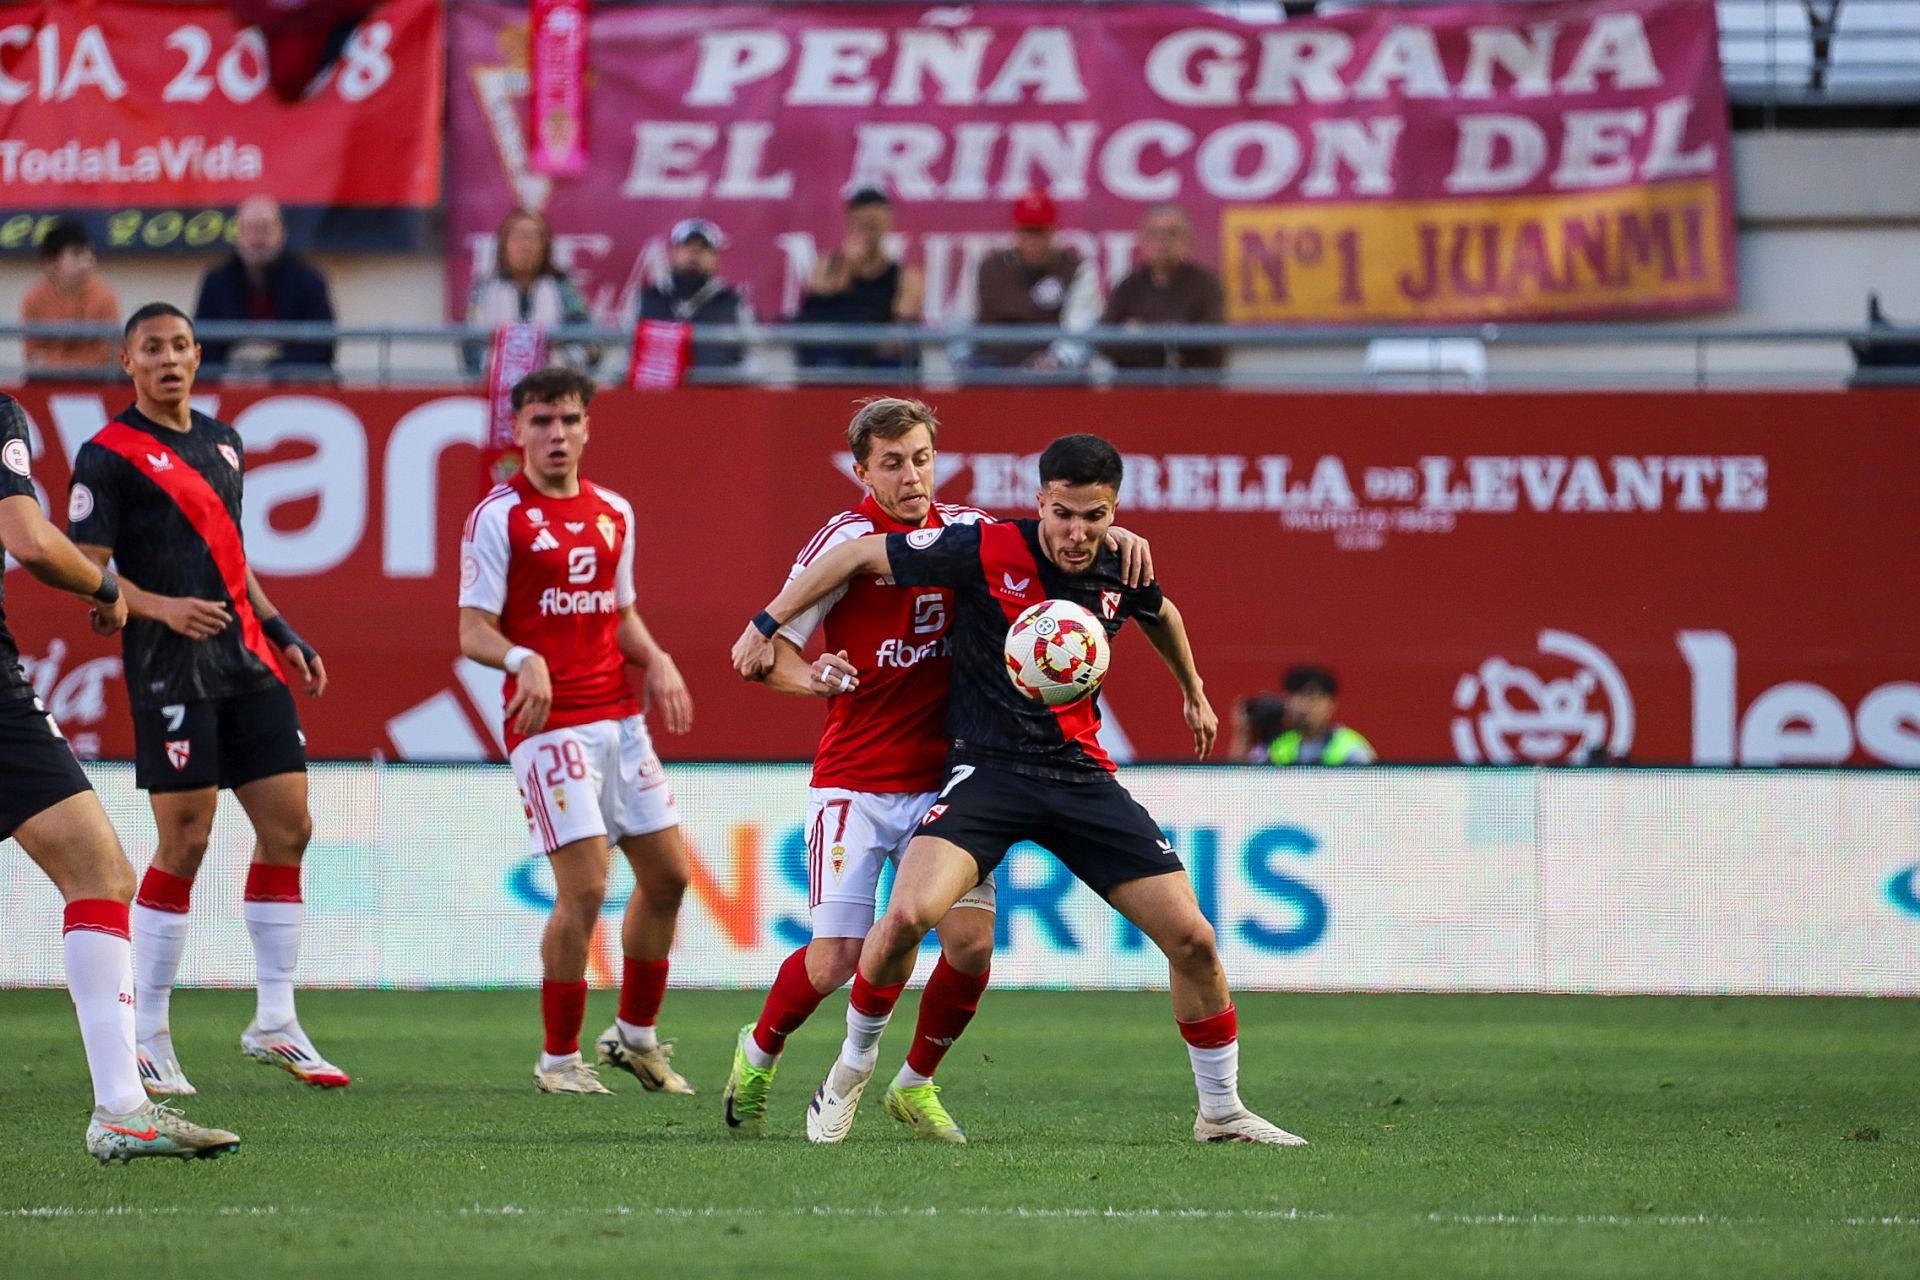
1673, 578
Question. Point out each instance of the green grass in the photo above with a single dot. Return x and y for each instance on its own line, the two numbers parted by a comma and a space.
1452, 1135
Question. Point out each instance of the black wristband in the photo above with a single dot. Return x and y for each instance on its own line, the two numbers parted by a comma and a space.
108, 591
766, 624
281, 632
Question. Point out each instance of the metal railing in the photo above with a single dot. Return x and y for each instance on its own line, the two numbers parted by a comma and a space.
1545, 356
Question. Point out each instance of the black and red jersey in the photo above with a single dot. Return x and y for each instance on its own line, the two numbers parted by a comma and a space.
167, 503
16, 481
996, 571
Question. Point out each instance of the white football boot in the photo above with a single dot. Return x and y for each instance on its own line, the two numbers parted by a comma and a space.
289, 1049
1244, 1126
830, 1114
569, 1075
160, 1071
154, 1130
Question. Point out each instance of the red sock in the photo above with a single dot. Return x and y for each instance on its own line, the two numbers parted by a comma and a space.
164, 891
643, 986
946, 1007
790, 1003
875, 1002
563, 1007
267, 883
1215, 1032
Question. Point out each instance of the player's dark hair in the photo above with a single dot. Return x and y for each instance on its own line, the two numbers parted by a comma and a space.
867, 198
1307, 678
887, 418
1082, 459
153, 311
549, 386
64, 235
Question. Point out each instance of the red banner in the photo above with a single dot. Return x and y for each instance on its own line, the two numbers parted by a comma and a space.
1669, 578
151, 121
1376, 164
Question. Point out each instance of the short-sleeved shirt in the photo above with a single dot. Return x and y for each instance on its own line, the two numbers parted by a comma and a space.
996, 572
889, 735
558, 572
167, 504
16, 481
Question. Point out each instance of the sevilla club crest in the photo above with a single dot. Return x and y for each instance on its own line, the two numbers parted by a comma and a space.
233, 458
1109, 604
179, 750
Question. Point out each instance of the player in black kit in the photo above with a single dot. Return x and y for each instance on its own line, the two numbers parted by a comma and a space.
1019, 770
47, 805
208, 660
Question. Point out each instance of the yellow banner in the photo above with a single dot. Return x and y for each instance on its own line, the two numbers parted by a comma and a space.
1515, 257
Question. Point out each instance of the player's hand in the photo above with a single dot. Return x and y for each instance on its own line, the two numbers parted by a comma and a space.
106, 619
1204, 723
312, 675
753, 654
532, 697
194, 619
833, 675
668, 691
1136, 556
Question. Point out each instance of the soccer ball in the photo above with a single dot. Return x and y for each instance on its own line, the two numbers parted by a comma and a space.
1057, 652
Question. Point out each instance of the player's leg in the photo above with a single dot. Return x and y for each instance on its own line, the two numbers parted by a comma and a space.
580, 887
67, 835
935, 874
183, 821
637, 808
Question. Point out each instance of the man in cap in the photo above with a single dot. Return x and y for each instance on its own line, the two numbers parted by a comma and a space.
693, 291
1036, 281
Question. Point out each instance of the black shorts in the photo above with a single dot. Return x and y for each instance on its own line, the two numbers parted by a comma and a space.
218, 742
1096, 828
37, 768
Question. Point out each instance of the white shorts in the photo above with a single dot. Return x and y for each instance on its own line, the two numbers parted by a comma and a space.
851, 835
599, 779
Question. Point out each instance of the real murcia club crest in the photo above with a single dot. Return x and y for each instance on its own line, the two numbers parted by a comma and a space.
608, 529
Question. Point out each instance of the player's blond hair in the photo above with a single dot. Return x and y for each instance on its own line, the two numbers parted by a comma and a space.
887, 418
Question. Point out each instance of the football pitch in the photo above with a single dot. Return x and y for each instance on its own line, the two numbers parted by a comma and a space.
1451, 1135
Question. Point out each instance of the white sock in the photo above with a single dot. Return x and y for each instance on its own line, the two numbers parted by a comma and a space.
758, 1057
275, 928
862, 1047
100, 979
638, 1037
1216, 1072
553, 1062
910, 1079
159, 939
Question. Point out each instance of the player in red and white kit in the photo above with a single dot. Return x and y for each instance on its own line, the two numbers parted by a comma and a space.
880, 762
546, 594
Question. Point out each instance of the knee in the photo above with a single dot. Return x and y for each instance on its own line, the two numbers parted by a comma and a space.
831, 962
286, 840
900, 930
187, 839
666, 886
968, 948
1192, 946
579, 905
116, 879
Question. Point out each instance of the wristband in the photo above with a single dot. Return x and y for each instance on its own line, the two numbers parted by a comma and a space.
516, 658
765, 624
281, 632
108, 592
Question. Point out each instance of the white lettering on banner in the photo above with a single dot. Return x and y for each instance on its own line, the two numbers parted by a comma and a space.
836, 67
554, 601
76, 700
1795, 722
1566, 880
335, 474
190, 159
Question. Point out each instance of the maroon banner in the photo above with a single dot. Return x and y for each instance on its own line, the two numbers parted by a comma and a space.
151, 121
1377, 164
1507, 578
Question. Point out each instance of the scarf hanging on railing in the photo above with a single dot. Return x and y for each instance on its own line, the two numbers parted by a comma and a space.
557, 97
518, 349
661, 352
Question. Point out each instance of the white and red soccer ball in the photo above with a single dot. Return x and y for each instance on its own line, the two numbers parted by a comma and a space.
1057, 652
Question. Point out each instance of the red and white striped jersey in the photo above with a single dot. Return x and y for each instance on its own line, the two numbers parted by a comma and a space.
558, 572
890, 734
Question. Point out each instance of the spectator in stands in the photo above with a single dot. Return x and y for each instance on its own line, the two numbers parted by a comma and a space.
1037, 281
694, 292
861, 283
263, 280
525, 287
70, 292
1168, 287
1309, 734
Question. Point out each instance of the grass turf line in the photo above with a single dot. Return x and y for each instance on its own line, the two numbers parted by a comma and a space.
1452, 1135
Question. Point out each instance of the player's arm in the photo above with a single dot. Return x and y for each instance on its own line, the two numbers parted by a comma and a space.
1167, 631
826, 676
482, 640
1136, 555
665, 687
754, 653
299, 655
48, 555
